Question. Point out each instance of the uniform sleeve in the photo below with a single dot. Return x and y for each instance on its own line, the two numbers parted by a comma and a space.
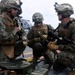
4, 35
30, 34
69, 46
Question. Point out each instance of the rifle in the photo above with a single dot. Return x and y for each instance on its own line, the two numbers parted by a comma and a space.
53, 37
19, 24
59, 40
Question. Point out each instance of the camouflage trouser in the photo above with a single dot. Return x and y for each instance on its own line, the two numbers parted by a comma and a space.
49, 58
18, 49
3, 57
63, 61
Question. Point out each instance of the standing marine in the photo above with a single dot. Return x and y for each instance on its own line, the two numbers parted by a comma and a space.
9, 31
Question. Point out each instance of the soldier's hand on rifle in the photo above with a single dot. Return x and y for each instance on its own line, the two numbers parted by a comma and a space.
17, 29
25, 40
36, 39
52, 46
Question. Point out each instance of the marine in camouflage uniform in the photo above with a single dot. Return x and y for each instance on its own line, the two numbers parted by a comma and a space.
9, 29
36, 36
66, 54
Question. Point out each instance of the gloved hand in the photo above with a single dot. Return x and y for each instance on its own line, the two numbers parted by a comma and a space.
24, 38
25, 43
17, 29
36, 39
44, 37
52, 46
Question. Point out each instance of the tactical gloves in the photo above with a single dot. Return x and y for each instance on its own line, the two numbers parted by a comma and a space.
25, 43
43, 37
52, 46
24, 37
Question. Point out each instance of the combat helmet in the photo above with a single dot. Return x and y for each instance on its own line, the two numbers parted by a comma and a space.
11, 4
8, 5
65, 9
37, 17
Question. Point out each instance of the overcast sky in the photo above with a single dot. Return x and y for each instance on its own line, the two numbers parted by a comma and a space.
45, 7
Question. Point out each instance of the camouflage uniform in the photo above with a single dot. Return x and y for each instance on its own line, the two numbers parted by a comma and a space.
39, 47
8, 36
66, 58
67, 54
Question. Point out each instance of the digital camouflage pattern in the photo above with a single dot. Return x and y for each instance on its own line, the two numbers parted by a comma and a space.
6, 28
4, 2
38, 46
67, 54
8, 35
36, 32
37, 17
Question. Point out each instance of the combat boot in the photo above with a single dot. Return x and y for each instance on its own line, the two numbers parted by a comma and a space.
34, 62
